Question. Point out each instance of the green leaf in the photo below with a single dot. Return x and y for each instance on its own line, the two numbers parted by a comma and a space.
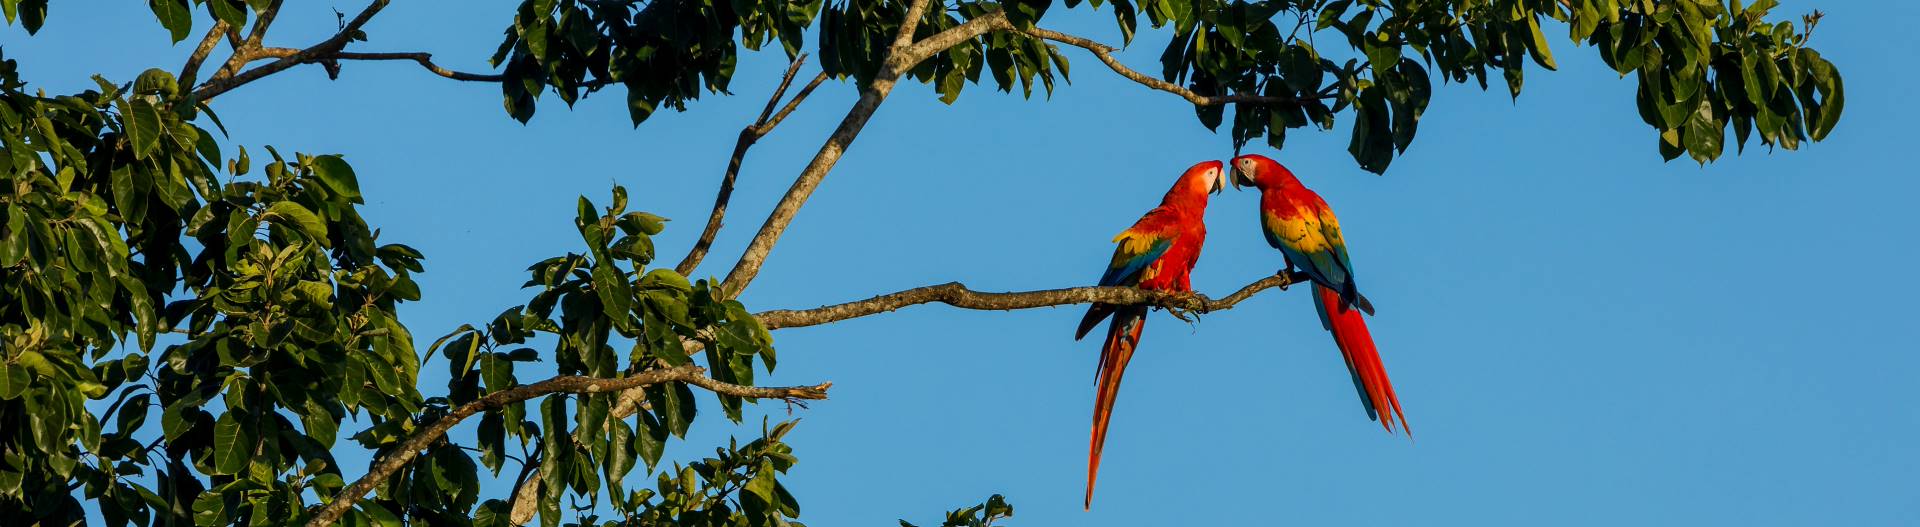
298, 217
33, 13
338, 176
591, 419
496, 371
651, 439
1538, 47
620, 449
379, 514
15, 247
320, 423
232, 446
210, 509
13, 380
234, 13
143, 126
761, 486
665, 279
616, 294
174, 15
642, 223
492, 513
156, 81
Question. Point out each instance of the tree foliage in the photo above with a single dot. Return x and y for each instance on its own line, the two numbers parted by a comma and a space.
1700, 66
126, 224
186, 333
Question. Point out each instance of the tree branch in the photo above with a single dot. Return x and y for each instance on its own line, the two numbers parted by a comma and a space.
1105, 54
748, 136
410, 448
816, 170
425, 60
200, 52
794, 103
958, 295
244, 51
261, 23
953, 36
244, 48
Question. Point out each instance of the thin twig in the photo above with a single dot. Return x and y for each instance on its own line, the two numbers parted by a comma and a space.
748, 136
244, 48
958, 295
794, 102
214, 87
1105, 54
410, 448
425, 60
261, 23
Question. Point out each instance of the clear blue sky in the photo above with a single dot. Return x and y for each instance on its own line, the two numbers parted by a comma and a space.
1581, 334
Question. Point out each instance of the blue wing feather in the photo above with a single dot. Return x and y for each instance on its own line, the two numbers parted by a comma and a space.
1125, 269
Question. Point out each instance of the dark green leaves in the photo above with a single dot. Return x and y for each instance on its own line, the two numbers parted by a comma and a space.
337, 176
664, 56
174, 15
156, 81
275, 297
13, 380
1700, 66
143, 126
297, 216
982, 515
232, 445
31, 13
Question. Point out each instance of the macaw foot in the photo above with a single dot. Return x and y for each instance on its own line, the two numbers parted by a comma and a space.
1283, 273
1183, 303
1179, 314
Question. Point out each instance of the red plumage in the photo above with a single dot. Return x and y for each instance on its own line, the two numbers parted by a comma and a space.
1157, 253
1350, 334
1301, 225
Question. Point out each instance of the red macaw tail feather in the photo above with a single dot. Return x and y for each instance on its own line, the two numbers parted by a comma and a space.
1122, 337
1363, 360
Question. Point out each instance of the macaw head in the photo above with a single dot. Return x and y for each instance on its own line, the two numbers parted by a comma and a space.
1207, 177
1258, 171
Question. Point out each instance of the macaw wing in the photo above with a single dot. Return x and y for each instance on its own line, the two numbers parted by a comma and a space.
1135, 252
1336, 244
1336, 255
1303, 239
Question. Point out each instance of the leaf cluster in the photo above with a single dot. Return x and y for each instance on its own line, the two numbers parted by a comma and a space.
982, 515
231, 314
1701, 66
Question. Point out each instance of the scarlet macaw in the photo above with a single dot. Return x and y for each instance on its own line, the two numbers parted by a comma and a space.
1299, 224
1157, 253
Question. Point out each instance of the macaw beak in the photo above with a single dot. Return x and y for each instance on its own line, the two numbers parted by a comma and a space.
1219, 184
1241, 178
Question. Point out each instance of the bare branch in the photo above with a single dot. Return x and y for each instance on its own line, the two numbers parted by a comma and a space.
200, 52
816, 170
953, 36
794, 103
216, 86
244, 48
786, 81
239, 57
261, 23
748, 136
1105, 54
410, 448
909, 23
425, 60
958, 295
